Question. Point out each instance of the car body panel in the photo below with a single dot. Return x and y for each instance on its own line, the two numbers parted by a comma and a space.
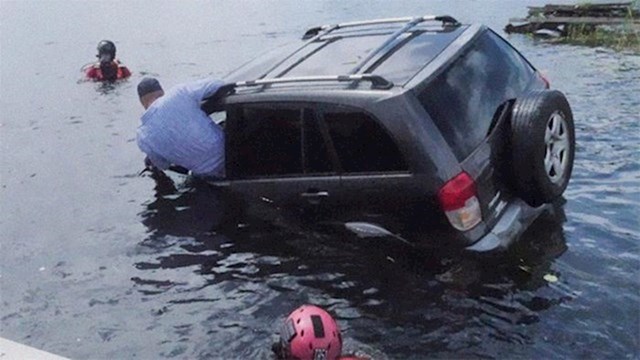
308, 193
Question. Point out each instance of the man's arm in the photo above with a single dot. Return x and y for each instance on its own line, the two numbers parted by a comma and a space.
203, 88
153, 160
149, 165
92, 73
125, 71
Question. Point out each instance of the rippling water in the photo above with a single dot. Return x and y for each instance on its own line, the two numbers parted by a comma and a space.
97, 262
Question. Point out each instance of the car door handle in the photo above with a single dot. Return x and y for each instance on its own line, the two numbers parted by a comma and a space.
316, 194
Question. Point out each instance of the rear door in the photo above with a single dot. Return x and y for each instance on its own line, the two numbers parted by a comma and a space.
277, 154
469, 103
375, 175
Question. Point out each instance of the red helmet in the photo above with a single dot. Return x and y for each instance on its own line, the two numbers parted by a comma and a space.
310, 333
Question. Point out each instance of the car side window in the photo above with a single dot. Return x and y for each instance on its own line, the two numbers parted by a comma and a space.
266, 141
276, 141
361, 144
292, 141
316, 156
463, 100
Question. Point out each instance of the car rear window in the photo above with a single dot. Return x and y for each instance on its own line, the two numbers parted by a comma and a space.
265, 140
463, 100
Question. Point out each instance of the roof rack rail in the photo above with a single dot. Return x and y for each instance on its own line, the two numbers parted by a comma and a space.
377, 81
325, 29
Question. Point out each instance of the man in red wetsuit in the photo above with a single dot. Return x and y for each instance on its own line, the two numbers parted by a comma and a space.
108, 68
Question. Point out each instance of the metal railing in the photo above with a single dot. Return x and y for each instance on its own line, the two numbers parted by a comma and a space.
377, 82
325, 29
316, 33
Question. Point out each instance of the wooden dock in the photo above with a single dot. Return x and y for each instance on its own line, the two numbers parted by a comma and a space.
562, 18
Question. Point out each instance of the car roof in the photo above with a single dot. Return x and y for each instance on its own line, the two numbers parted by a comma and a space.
383, 52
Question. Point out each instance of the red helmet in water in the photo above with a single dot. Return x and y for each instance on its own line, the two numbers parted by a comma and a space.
310, 333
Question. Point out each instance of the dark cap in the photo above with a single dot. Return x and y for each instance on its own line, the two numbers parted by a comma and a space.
147, 86
107, 47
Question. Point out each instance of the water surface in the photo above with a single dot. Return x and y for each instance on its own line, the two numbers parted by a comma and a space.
98, 262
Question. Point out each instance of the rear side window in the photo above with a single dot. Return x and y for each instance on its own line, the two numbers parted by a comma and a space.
463, 100
361, 144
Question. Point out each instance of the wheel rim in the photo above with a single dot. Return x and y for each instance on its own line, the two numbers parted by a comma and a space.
556, 156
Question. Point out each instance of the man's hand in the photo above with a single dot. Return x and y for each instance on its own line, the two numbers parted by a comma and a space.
179, 169
223, 91
148, 166
212, 104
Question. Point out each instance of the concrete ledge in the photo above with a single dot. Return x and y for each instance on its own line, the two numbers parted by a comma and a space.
11, 350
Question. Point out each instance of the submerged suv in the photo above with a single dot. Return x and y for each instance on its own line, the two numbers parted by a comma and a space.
421, 125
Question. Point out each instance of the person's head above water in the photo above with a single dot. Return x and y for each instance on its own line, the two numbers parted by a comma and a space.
310, 333
106, 51
149, 90
106, 56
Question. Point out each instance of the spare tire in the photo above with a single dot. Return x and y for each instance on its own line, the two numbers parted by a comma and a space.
542, 145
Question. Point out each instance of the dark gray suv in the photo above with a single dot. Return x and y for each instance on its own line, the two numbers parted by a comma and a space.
420, 125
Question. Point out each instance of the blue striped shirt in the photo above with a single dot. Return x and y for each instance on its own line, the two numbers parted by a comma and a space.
175, 131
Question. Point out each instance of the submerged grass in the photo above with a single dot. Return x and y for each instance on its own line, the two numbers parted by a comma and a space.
619, 37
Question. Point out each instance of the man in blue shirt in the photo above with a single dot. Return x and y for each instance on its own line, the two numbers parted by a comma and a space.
176, 132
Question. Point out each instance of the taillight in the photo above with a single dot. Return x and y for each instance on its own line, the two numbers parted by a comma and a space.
547, 84
459, 200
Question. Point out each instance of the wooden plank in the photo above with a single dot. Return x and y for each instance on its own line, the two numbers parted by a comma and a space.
560, 18
576, 20
611, 9
603, 6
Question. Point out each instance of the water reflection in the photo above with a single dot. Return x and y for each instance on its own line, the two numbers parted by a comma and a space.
403, 300
186, 207
102, 87
106, 87
255, 277
461, 305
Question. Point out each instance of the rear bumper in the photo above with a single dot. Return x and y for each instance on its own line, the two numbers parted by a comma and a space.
514, 221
